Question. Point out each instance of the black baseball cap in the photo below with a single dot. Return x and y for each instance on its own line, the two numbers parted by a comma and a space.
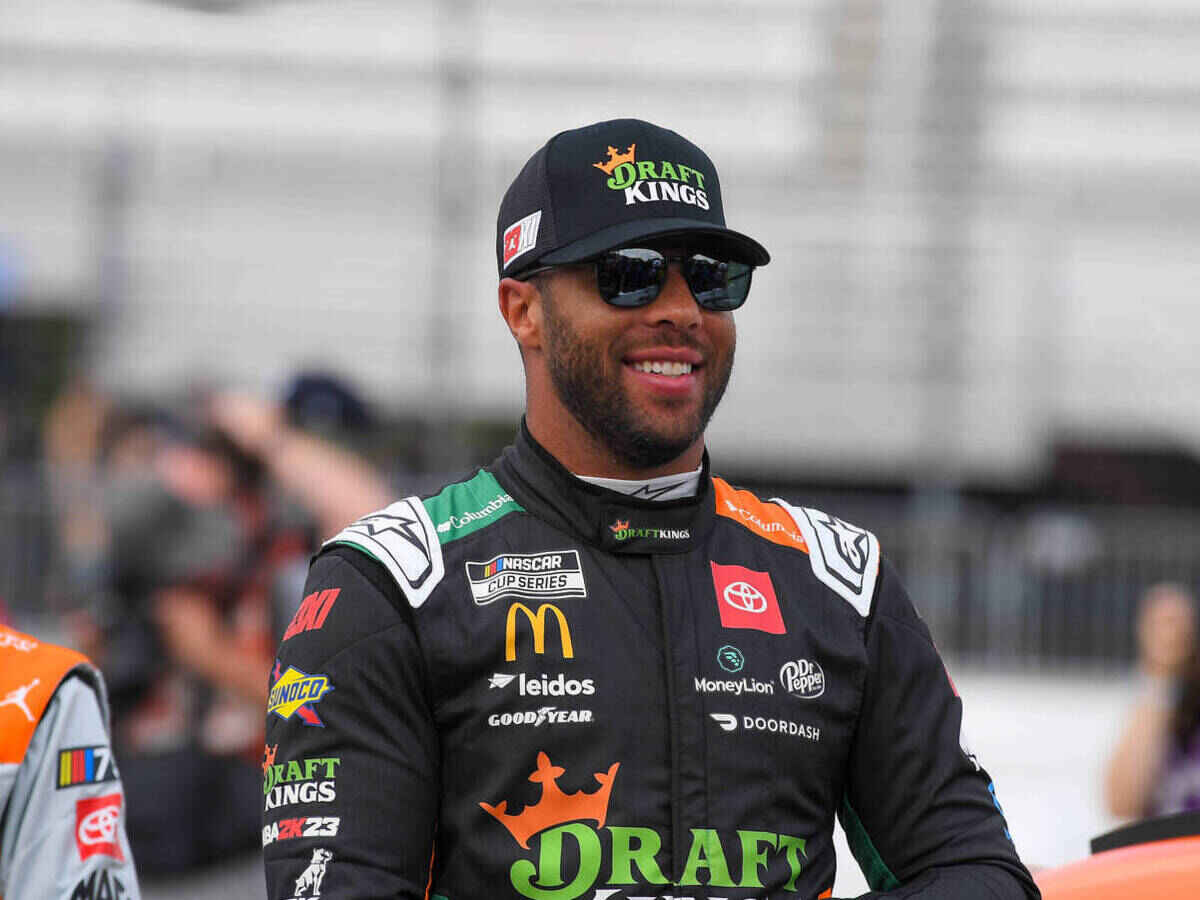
607, 185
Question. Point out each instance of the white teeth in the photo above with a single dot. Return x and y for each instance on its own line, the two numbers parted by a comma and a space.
662, 367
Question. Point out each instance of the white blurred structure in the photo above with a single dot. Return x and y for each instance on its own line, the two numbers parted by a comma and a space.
984, 216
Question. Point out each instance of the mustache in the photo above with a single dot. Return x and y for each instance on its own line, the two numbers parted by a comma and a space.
666, 336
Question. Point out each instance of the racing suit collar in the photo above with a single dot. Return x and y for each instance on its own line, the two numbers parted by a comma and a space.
607, 519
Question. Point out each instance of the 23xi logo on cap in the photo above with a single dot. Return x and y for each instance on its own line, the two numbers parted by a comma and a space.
746, 599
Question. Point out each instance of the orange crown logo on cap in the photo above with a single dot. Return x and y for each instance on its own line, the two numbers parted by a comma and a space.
615, 159
554, 807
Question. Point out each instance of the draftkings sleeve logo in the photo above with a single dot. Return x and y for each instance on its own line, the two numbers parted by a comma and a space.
293, 693
86, 765
313, 611
554, 807
96, 826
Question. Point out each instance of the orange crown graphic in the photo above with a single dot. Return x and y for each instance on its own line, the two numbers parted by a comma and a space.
269, 757
554, 807
619, 526
615, 159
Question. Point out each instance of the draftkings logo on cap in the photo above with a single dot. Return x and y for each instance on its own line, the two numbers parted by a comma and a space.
648, 181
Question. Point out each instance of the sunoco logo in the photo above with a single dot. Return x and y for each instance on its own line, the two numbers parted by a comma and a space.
803, 678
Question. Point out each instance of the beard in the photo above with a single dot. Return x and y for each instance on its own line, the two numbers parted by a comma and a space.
590, 387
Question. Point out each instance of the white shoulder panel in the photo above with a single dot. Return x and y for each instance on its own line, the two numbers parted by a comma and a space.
402, 537
843, 557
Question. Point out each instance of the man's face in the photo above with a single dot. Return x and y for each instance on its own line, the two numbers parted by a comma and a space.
644, 382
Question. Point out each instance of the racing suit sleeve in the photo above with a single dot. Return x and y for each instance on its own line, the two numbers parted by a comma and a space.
920, 815
64, 831
351, 762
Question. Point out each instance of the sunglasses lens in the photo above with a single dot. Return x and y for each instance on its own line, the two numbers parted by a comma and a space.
715, 284
631, 277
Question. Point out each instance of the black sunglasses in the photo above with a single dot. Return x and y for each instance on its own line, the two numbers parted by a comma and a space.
634, 276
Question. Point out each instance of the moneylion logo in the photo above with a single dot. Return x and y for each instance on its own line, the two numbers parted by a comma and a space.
537, 621
646, 181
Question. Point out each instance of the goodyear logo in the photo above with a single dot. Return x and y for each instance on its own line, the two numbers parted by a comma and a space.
294, 693
537, 621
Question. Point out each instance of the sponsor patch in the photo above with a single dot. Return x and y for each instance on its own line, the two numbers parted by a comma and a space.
737, 686
769, 520
18, 697
746, 599
521, 237
294, 693
652, 181
545, 685
314, 610
843, 556
100, 885
96, 826
300, 827
10, 641
309, 780
86, 765
309, 882
730, 658
537, 623
553, 575
546, 715
802, 678
403, 539
768, 724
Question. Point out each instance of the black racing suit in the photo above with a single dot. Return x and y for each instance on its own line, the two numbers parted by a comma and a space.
528, 686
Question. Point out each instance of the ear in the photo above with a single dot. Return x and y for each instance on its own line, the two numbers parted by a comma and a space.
521, 307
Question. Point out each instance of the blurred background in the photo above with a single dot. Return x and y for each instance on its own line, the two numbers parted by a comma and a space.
246, 242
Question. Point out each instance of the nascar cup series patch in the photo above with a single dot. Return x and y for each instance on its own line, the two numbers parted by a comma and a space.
552, 575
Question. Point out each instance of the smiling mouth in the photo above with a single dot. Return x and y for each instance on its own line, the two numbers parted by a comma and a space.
664, 367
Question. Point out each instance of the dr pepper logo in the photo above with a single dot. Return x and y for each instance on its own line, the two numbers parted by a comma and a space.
746, 599
96, 831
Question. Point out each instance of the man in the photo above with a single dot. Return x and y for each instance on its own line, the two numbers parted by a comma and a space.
594, 669
62, 816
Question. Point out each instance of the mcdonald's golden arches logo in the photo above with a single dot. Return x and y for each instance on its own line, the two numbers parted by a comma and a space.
537, 621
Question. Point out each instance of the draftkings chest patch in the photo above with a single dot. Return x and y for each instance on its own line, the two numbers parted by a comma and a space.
554, 575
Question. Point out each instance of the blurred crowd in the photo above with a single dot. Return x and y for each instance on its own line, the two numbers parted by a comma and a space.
184, 535
1155, 767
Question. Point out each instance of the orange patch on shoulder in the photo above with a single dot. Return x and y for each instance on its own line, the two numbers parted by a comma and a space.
30, 672
767, 520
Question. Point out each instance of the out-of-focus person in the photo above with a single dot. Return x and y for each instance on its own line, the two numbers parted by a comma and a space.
1155, 769
62, 803
334, 485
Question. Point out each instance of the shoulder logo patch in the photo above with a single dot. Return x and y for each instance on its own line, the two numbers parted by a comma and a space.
765, 519
403, 538
844, 557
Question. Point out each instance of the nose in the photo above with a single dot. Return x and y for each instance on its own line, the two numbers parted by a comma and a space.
675, 303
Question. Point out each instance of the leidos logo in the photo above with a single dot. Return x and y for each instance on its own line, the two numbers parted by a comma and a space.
537, 621
574, 849
646, 181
